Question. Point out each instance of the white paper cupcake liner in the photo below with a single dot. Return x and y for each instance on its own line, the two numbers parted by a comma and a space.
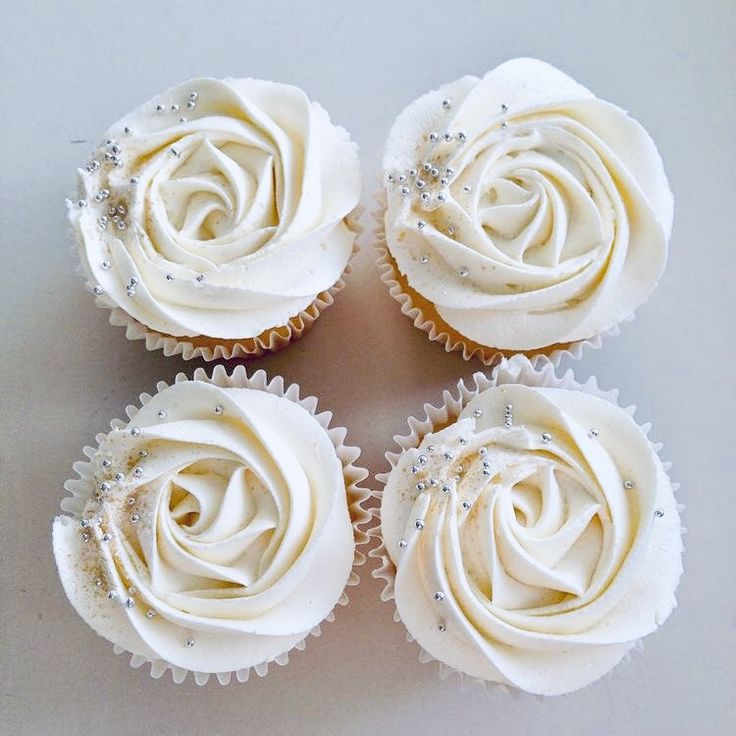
209, 349
82, 488
442, 333
516, 370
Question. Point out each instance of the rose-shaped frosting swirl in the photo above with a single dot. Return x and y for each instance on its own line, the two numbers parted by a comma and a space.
536, 539
219, 534
218, 208
528, 211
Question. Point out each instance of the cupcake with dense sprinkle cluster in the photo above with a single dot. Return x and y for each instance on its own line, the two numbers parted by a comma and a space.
216, 220
522, 213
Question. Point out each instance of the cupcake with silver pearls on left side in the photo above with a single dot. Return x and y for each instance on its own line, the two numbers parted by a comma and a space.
217, 220
521, 213
216, 529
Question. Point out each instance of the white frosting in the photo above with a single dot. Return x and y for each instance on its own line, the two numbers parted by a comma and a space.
547, 567
234, 530
556, 211
234, 222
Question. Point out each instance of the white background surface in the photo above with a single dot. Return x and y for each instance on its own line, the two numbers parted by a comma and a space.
69, 69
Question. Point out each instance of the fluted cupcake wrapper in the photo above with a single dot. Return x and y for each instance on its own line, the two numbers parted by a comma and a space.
516, 370
425, 317
80, 489
211, 348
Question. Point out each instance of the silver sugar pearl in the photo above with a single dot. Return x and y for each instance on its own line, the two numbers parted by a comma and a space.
449, 455
593, 433
546, 438
169, 276
161, 414
98, 582
421, 486
119, 477
191, 104
427, 166
421, 184
461, 136
413, 172
462, 272
434, 171
447, 137
159, 108
441, 628
628, 484
391, 178
135, 518
402, 543
477, 413
84, 523
659, 512
402, 177
105, 265
405, 191
467, 189
446, 104
483, 451
85, 537
175, 107
135, 431
150, 613
419, 524
97, 291
137, 472
439, 596
106, 537
433, 137
421, 223
130, 500
414, 469
486, 472
142, 453
422, 460
218, 410
112, 594
134, 179
105, 486
127, 130
426, 196
446, 488
466, 505
504, 107
129, 603
423, 259
190, 642
441, 197
444, 181
504, 125
200, 278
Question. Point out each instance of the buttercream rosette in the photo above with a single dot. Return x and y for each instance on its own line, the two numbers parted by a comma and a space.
217, 220
216, 529
529, 533
521, 214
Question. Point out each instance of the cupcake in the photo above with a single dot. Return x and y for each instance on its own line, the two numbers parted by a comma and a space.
218, 219
530, 535
215, 530
522, 213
